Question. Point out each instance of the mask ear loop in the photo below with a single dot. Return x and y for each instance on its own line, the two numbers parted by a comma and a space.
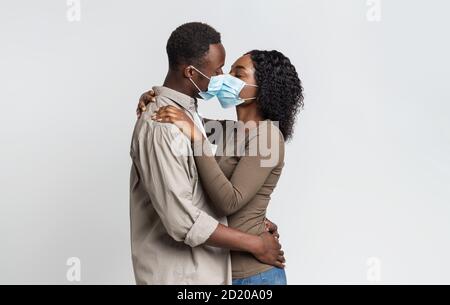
252, 98
190, 78
192, 81
199, 72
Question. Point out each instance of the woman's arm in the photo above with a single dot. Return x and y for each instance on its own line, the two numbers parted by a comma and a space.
229, 196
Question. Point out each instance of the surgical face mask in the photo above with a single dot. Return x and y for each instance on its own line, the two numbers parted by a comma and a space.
226, 88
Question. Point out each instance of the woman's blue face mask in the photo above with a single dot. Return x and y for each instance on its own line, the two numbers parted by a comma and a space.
225, 87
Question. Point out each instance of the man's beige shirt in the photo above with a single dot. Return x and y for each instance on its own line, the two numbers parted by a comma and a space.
170, 215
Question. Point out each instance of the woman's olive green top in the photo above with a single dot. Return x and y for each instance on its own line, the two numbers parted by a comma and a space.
240, 179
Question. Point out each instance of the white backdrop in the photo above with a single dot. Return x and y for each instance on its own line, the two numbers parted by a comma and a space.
367, 174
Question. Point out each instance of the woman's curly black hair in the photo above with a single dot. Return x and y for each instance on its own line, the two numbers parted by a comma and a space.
280, 96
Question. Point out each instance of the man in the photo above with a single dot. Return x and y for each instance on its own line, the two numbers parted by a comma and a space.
176, 237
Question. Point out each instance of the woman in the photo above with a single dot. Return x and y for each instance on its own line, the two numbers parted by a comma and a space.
268, 93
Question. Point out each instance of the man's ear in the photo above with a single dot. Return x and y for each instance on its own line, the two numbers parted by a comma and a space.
188, 71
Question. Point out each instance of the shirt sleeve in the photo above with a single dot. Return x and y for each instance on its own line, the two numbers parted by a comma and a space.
230, 195
166, 174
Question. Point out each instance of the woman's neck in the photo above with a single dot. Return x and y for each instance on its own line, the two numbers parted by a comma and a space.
248, 113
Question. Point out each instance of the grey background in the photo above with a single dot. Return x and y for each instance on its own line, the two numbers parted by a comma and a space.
367, 174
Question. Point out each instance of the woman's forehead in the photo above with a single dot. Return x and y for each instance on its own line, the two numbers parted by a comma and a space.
244, 61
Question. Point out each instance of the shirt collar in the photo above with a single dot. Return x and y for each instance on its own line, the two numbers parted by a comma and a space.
185, 101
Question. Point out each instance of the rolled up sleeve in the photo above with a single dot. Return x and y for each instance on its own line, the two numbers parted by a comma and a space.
201, 230
164, 158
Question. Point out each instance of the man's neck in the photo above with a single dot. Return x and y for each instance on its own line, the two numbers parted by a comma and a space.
174, 82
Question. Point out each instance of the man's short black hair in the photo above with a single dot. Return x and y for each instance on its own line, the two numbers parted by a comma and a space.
189, 43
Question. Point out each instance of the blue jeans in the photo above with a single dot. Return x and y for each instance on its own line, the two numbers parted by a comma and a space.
274, 276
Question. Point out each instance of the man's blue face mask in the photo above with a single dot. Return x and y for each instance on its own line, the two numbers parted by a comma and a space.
225, 87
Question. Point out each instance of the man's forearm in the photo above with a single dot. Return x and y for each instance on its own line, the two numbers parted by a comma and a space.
228, 238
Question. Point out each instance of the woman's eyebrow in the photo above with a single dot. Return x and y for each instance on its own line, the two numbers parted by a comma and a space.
240, 68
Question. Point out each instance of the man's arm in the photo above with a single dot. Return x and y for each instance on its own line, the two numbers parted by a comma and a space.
166, 175
265, 247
